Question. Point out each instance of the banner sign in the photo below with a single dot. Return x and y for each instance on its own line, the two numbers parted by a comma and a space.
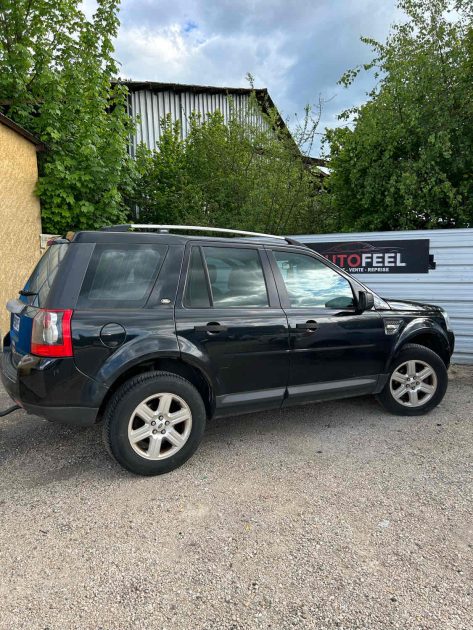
409, 256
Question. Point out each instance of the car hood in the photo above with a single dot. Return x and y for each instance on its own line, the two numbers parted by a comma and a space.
407, 305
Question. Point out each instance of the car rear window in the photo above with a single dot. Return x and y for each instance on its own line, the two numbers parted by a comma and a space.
43, 276
121, 276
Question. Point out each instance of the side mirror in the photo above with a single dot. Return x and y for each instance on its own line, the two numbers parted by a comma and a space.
365, 301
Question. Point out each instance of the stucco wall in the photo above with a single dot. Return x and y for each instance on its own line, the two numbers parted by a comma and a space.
20, 223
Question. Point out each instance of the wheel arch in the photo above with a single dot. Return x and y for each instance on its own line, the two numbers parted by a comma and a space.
433, 342
175, 365
427, 336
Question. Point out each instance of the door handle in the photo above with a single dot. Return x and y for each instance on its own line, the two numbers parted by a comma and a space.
211, 327
310, 325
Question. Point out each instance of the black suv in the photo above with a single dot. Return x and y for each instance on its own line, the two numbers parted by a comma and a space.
154, 332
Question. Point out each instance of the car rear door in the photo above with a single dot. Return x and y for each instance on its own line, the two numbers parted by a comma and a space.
230, 323
335, 350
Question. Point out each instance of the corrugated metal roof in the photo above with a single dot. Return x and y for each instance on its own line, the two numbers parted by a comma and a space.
450, 285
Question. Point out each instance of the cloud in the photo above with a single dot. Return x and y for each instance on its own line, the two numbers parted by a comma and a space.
176, 53
298, 49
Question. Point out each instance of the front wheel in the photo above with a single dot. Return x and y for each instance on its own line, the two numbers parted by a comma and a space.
154, 422
417, 382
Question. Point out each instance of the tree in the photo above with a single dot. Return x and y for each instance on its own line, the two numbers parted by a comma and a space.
246, 172
408, 160
56, 72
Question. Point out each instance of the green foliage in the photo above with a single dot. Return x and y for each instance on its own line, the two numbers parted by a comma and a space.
407, 163
56, 69
246, 172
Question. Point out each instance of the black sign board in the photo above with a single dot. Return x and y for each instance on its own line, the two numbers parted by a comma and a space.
409, 256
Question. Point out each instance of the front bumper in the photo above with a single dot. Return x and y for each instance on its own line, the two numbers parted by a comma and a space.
451, 341
52, 388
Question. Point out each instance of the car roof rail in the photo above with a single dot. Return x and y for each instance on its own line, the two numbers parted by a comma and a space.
123, 227
164, 229
200, 228
293, 241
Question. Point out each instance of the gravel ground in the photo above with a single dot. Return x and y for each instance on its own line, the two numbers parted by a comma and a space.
330, 516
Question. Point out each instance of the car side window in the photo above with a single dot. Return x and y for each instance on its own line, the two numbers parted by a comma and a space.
309, 282
196, 293
235, 278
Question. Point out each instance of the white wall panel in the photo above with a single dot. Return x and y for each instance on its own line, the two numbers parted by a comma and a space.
149, 107
450, 285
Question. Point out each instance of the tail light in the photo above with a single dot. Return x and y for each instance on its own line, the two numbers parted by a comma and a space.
51, 334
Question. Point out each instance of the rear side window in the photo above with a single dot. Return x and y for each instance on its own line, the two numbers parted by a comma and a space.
121, 276
234, 277
196, 294
45, 272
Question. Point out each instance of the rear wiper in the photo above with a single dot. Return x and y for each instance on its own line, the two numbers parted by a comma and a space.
27, 293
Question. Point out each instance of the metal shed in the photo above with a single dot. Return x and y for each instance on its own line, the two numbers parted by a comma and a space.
149, 102
450, 285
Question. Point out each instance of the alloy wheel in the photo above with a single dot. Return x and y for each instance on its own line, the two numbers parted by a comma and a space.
413, 383
160, 426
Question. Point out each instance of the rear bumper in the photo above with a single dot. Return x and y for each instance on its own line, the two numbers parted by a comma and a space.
53, 389
74, 416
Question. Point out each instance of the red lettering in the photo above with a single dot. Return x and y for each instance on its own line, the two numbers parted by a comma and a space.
356, 258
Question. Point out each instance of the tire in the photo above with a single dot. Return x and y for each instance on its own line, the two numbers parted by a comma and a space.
428, 389
154, 423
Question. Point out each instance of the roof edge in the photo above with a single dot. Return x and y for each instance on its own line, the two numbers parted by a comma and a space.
189, 87
8, 122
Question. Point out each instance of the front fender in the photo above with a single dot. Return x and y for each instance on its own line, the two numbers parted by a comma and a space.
413, 329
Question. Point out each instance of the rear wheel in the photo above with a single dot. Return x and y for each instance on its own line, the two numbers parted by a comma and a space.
154, 422
417, 382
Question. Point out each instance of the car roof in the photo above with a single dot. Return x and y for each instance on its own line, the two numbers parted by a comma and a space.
110, 236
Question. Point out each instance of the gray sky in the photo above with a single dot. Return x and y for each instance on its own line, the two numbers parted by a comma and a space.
298, 49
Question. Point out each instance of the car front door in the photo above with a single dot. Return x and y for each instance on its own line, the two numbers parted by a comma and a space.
230, 323
335, 349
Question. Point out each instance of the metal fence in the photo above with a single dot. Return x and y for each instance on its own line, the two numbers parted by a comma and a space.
449, 285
